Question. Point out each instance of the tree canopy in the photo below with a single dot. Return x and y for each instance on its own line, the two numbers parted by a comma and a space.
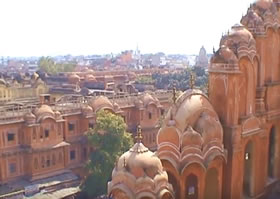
110, 140
181, 80
48, 65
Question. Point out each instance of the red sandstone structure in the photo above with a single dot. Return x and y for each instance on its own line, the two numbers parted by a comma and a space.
226, 145
44, 143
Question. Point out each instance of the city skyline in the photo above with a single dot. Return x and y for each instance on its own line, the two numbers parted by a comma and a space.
49, 28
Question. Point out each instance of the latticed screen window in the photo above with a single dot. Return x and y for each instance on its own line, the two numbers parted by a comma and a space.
150, 115
191, 190
36, 163
60, 157
53, 159
71, 126
59, 129
90, 125
11, 136
34, 133
47, 132
12, 167
72, 155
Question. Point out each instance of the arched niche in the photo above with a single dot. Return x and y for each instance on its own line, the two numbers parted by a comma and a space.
211, 190
271, 154
248, 170
119, 194
191, 187
247, 87
175, 184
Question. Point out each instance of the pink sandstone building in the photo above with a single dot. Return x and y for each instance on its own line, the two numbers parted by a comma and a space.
226, 145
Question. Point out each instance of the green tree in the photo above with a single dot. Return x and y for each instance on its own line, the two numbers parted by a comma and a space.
180, 79
110, 140
47, 64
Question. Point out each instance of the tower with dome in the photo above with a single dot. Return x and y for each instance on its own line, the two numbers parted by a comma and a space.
225, 145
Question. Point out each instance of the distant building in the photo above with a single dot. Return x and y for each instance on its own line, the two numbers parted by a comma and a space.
202, 58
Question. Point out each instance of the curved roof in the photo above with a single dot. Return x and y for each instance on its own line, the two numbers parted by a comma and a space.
43, 112
101, 102
90, 78
188, 108
264, 4
74, 77
240, 34
148, 99
2, 81
137, 167
29, 117
190, 132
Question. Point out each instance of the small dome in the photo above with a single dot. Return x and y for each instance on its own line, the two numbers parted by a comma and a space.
90, 78
148, 99
264, 4
101, 102
138, 103
238, 34
135, 168
3, 82
251, 17
87, 110
209, 128
116, 106
140, 160
191, 138
224, 55
188, 108
29, 118
44, 111
193, 123
74, 78
132, 75
57, 115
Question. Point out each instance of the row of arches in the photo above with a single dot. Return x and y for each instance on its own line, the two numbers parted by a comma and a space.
192, 185
207, 184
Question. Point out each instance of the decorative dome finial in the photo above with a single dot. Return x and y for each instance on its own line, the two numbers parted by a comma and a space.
174, 93
139, 136
124, 162
192, 80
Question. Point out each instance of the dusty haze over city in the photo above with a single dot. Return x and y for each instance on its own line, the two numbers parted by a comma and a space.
38, 27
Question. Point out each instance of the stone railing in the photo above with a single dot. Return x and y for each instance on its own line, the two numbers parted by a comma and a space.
13, 113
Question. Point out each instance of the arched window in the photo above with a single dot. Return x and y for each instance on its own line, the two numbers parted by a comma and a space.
43, 162
211, 190
53, 159
150, 115
271, 153
248, 167
35, 163
60, 157
48, 162
192, 187
34, 133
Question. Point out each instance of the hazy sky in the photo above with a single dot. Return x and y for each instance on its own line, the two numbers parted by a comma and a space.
52, 27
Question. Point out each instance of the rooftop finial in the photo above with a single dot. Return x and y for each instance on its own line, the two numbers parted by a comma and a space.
174, 93
139, 134
124, 162
192, 80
